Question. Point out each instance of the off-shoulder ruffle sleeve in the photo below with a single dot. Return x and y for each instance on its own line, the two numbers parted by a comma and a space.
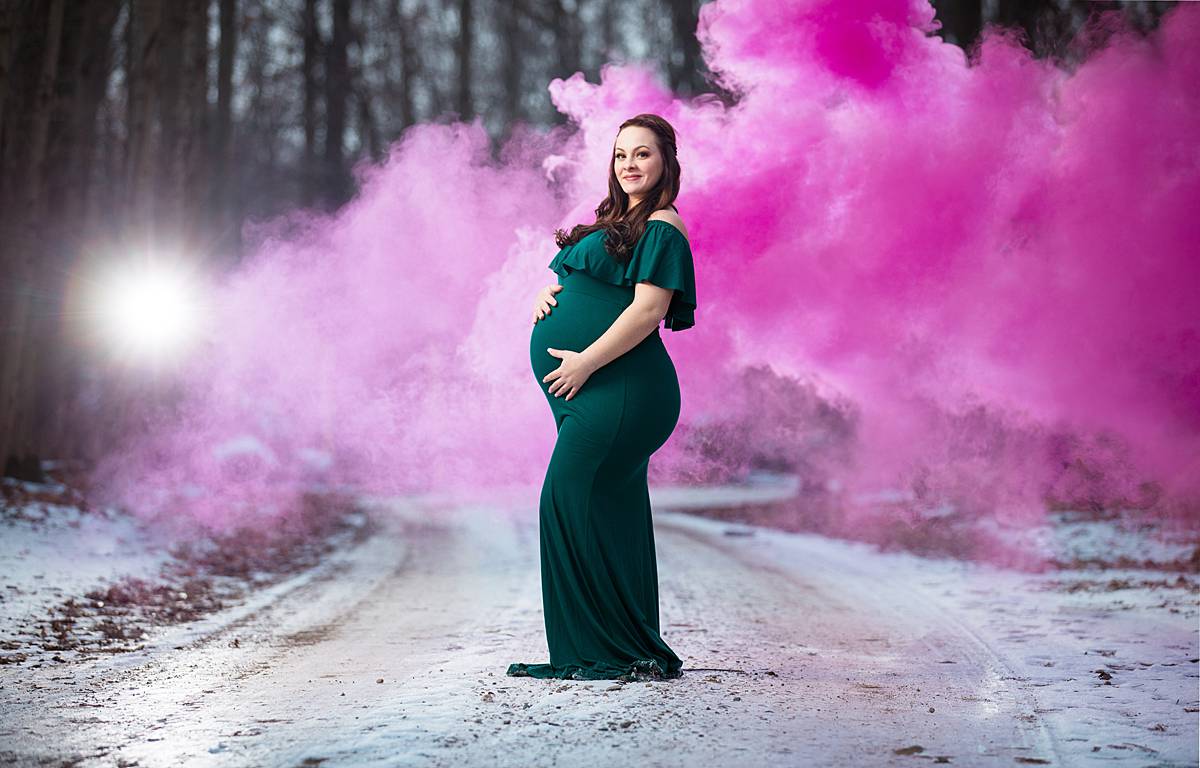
663, 257
563, 259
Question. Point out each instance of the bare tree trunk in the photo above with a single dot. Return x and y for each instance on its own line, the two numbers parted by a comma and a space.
259, 131
182, 115
144, 41
34, 152
222, 208
21, 236
83, 71
93, 72
368, 125
106, 194
191, 149
57, 174
565, 27
683, 70
510, 65
463, 51
961, 20
171, 116
336, 90
568, 38
10, 14
407, 31
312, 53
608, 29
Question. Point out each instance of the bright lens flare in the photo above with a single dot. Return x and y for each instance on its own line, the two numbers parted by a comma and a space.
150, 310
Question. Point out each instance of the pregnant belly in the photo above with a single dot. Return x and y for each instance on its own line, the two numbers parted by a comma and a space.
577, 321
633, 402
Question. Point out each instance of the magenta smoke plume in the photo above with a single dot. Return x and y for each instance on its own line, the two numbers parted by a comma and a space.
988, 265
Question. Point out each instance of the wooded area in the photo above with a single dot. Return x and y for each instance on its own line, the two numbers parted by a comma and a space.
130, 124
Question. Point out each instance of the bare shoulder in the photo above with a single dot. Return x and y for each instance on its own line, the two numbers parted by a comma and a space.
671, 217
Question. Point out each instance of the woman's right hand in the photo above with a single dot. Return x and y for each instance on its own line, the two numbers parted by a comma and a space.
545, 300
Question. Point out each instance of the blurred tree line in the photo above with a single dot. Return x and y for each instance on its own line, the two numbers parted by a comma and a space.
131, 124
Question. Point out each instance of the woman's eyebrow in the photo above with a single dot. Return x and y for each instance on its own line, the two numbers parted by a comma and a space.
639, 146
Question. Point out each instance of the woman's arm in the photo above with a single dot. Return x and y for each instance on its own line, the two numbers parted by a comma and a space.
649, 306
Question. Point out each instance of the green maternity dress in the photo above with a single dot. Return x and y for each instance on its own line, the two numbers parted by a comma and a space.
598, 570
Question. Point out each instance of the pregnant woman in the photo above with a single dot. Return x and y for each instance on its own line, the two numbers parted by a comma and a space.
615, 398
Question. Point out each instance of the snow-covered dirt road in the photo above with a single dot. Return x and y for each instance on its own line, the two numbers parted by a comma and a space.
798, 650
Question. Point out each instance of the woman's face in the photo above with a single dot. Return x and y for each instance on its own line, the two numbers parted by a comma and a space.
637, 161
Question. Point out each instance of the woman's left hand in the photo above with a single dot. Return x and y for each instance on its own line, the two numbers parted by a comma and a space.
570, 375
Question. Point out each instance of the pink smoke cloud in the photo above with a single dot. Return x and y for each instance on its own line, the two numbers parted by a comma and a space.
975, 256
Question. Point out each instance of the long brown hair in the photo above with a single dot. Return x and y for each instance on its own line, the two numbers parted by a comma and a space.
623, 231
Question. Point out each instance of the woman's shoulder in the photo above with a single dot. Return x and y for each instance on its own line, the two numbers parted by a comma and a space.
670, 217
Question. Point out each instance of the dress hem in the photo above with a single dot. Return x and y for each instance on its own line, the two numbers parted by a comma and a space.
647, 669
